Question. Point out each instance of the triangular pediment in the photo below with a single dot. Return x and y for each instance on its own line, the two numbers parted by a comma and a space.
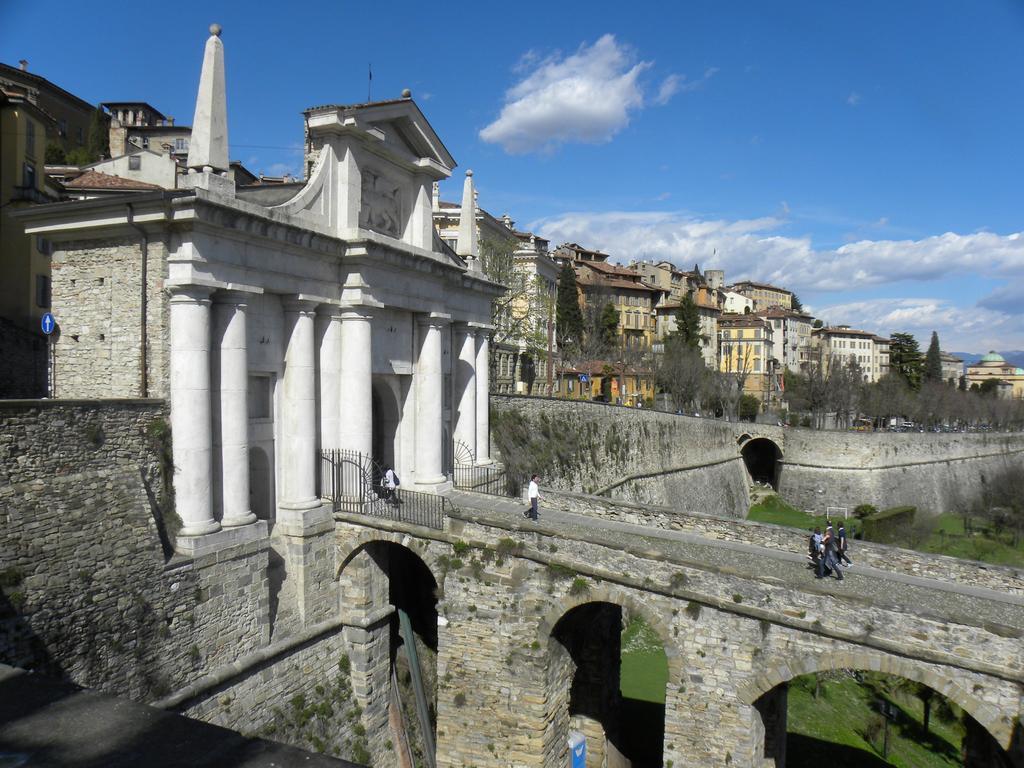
400, 123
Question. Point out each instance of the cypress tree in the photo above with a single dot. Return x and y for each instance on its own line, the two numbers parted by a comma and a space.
568, 315
99, 136
687, 323
933, 360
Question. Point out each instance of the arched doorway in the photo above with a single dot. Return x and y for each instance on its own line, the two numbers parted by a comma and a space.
606, 675
761, 457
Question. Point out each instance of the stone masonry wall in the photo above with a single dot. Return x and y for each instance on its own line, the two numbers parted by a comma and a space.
97, 302
87, 591
301, 697
695, 464
685, 462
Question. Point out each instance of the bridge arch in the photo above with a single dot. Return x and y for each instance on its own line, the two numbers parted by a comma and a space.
763, 459
995, 721
583, 635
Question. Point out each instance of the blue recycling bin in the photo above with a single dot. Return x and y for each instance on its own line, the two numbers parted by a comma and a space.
577, 750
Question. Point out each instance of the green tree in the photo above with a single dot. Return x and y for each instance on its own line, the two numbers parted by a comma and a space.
98, 144
933, 360
687, 323
608, 325
905, 359
750, 406
568, 313
797, 304
55, 154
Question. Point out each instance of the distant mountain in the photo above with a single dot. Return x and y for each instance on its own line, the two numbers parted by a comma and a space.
1013, 357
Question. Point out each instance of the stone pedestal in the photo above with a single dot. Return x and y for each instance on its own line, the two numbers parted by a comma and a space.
191, 425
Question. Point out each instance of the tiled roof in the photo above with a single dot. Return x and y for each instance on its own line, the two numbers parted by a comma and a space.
832, 331
97, 180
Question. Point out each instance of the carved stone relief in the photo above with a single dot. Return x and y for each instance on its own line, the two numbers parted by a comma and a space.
381, 209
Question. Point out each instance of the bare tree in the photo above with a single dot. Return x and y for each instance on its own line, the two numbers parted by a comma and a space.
681, 373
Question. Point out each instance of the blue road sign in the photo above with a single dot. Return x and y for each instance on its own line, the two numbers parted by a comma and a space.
48, 323
584, 378
577, 750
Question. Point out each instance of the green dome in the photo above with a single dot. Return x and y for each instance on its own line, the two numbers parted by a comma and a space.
993, 357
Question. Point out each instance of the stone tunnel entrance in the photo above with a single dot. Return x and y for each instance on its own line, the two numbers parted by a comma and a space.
761, 457
591, 688
885, 719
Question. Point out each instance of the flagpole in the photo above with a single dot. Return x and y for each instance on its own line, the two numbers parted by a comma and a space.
369, 81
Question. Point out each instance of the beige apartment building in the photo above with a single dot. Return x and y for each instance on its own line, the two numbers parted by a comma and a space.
764, 295
843, 344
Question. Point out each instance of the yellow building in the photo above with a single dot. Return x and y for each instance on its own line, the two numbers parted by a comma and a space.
603, 381
764, 295
993, 367
633, 298
745, 351
24, 260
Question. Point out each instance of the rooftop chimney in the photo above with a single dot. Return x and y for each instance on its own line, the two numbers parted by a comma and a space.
23, 65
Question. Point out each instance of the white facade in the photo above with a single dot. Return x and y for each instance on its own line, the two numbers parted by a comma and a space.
737, 303
328, 320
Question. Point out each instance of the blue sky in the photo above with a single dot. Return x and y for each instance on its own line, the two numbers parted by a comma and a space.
866, 155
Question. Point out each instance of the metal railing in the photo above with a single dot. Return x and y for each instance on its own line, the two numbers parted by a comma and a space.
495, 481
352, 482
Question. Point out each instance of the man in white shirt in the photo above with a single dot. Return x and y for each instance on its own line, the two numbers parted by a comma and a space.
534, 496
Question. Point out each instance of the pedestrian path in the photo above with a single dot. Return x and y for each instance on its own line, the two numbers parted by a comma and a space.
946, 601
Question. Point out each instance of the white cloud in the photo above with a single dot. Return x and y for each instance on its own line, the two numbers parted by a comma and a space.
854, 99
964, 329
585, 97
669, 87
756, 249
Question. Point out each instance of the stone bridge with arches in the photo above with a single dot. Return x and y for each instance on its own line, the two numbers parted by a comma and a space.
523, 622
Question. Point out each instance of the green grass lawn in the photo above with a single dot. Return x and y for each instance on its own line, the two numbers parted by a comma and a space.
949, 538
943, 535
772, 509
644, 669
843, 723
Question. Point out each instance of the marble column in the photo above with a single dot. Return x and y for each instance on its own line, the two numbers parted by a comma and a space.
429, 381
191, 424
329, 324
465, 387
356, 422
483, 386
298, 423
229, 323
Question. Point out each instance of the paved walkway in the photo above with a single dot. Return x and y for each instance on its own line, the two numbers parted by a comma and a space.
47, 723
942, 600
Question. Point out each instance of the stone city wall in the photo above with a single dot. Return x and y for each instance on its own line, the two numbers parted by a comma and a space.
97, 302
629, 453
25, 361
729, 639
301, 695
940, 567
933, 472
695, 464
88, 591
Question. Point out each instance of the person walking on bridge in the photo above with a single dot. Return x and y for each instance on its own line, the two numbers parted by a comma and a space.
533, 494
828, 561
